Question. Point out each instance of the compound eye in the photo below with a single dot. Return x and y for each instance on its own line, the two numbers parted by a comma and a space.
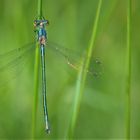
36, 23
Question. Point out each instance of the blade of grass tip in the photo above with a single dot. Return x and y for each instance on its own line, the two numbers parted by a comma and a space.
36, 76
82, 76
128, 73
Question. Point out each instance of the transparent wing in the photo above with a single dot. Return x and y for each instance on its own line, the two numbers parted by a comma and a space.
5, 58
75, 59
13, 62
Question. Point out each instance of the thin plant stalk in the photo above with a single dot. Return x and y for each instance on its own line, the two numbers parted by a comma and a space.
36, 86
128, 72
82, 76
36, 75
39, 11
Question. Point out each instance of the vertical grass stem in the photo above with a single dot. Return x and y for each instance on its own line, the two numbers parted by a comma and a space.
36, 75
36, 86
39, 11
128, 71
82, 76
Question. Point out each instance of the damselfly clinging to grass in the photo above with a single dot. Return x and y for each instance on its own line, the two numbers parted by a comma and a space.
10, 60
41, 35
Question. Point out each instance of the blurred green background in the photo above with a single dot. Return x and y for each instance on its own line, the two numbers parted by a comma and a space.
103, 108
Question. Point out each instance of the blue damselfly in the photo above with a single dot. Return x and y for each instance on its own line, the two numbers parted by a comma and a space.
9, 60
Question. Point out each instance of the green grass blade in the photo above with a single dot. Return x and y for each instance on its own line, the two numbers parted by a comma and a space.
36, 78
82, 76
36, 86
39, 11
128, 71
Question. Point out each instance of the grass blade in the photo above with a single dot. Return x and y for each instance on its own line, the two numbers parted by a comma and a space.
82, 76
36, 74
39, 11
36, 86
128, 72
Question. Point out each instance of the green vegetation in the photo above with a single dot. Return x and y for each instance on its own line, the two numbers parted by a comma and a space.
80, 106
81, 80
36, 76
128, 72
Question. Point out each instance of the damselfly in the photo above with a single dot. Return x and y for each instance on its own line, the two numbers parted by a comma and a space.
9, 60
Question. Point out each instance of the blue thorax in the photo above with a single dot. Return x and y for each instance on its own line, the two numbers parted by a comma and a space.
42, 32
